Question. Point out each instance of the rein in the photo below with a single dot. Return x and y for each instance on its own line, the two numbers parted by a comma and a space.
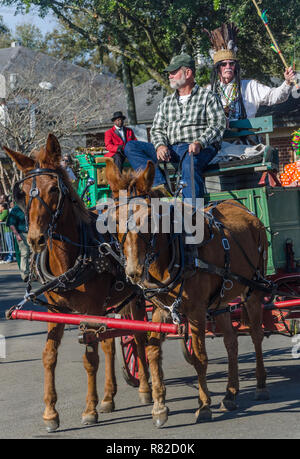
91, 258
258, 282
177, 263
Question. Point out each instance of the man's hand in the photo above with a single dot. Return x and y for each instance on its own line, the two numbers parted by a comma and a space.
289, 75
163, 153
194, 148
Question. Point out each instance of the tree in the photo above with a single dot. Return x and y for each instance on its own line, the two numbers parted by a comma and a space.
5, 35
30, 36
149, 32
66, 109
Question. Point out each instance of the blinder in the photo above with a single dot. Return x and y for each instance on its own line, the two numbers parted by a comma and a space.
19, 195
151, 252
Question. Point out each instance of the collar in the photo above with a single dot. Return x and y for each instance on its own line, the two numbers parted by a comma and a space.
231, 83
194, 90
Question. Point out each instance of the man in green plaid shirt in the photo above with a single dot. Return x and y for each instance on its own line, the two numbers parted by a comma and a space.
191, 119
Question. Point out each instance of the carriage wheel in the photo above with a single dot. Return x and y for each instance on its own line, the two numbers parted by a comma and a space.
292, 287
187, 348
127, 356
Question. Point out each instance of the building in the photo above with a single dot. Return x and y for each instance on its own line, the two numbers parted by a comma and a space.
80, 91
286, 120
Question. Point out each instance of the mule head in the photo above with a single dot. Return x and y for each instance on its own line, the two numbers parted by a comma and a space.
133, 220
44, 186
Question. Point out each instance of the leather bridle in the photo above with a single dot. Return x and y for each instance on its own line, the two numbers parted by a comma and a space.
34, 193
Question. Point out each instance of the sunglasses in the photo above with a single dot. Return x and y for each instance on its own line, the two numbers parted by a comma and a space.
231, 64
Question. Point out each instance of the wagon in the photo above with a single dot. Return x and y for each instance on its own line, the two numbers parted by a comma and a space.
278, 209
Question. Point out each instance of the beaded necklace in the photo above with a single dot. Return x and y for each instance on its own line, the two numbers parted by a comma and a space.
229, 100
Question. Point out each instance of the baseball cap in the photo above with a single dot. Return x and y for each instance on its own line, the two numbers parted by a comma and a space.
182, 60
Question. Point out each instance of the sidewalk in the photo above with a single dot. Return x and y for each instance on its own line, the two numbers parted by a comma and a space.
9, 267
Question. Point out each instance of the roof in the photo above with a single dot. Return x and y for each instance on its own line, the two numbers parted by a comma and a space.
147, 97
284, 114
43, 67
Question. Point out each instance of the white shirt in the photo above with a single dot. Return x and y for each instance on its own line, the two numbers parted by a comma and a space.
184, 99
255, 94
120, 131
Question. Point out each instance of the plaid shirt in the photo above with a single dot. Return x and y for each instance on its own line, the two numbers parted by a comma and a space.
201, 119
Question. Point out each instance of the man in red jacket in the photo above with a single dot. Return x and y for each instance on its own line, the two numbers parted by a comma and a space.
116, 139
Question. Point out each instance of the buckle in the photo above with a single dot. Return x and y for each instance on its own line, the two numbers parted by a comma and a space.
34, 192
225, 243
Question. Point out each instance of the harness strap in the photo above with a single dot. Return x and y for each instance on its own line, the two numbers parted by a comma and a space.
257, 285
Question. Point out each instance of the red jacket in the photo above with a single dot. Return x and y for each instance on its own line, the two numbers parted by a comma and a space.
113, 140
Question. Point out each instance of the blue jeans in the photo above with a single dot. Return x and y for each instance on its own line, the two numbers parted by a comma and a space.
10, 245
138, 153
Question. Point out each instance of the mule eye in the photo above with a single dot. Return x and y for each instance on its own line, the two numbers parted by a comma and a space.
53, 189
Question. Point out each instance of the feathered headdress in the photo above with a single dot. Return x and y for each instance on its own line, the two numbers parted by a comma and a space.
224, 42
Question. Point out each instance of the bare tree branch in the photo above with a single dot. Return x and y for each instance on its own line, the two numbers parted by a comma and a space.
73, 105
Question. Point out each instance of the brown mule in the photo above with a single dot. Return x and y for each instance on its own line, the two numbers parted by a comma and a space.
92, 297
246, 238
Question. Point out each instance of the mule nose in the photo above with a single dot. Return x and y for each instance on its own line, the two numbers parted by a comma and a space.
132, 276
41, 240
37, 243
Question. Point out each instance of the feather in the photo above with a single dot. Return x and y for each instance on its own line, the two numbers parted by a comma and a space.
224, 37
230, 44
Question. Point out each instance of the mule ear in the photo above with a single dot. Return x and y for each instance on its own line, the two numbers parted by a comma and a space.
113, 175
145, 180
52, 153
23, 162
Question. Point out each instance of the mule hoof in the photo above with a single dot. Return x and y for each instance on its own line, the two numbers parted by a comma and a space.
159, 419
107, 407
203, 414
262, 394
52, 425
145, 398
228, 405
89, 419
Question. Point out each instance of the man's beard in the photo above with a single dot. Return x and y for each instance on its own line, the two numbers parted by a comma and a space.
176, 84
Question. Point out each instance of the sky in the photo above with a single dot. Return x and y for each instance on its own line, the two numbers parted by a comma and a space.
10, 20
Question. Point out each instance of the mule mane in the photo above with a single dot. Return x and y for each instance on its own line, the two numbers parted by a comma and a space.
80, 211
129, 180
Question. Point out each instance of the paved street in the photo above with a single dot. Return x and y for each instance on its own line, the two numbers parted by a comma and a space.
21, 383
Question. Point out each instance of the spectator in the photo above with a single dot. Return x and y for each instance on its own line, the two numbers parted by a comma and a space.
7, 235
66, 164
3, 199
17, 223
116, 138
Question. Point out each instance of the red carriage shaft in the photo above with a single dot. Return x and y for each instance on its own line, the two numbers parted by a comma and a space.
287, 303
76, 319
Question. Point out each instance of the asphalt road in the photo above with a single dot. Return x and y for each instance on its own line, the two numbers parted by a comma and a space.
21, 383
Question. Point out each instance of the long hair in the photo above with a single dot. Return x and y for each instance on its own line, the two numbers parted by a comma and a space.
215, 76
